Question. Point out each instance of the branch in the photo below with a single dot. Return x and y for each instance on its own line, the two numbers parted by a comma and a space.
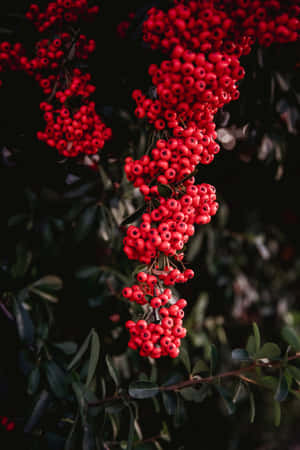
198, 380
233, 373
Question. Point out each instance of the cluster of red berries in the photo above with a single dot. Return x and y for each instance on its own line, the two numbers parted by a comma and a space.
7, 424
60, 12
162, 336
190, 87
229, 25
10, 57
205, 40
166, 229
46, 65
71, 135
173, 160
72, 125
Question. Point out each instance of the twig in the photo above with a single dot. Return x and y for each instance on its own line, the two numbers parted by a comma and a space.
198, 380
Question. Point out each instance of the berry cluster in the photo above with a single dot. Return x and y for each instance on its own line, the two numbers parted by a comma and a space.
82, 133
163, 336
229, 25
72, 125
167, 228
205, 40
60, 12
10, 57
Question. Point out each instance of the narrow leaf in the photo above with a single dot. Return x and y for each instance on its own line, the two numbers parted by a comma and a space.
80, 353
112, 370
49, 282
184, 356
282, 389
143, 389
24, 323
230, 406
33, 381
252, 407
56, 378
133, 217
94, 359
170, 402
277, 414
251, 345
291, 337
39, 409
180, 414
256, 337
131, 429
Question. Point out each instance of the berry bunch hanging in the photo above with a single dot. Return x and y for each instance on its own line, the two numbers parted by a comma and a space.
204, 40
73, 126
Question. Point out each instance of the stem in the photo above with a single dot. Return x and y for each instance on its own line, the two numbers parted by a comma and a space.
195, 381
233, 373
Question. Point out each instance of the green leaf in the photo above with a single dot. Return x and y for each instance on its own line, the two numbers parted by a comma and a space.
57, 379
170, 402
71, 440
39, 409
48, 283
112, 370
227, 398
133, 217
78, 389
143, 389
69, 348
33, 381
213, 359
291, 337
184, 356
268, 350
277, 414
195, 395
85, 223
180, 414
251, 345
88, 271
256, 337
200, 366
24, 323
94, 358
282, 389
240, 354
45, 295
252, 407
164, 190
81, 352
295, 372
131, 428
